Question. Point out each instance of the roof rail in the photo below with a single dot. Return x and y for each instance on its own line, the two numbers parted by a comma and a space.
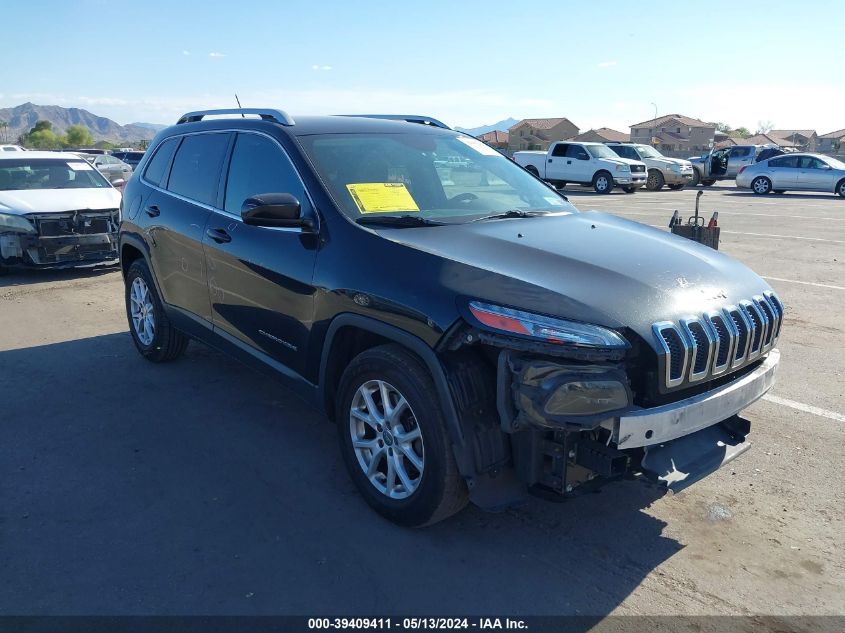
410, 118
267, 114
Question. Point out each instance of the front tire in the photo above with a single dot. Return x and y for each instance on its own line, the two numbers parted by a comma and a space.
840, 188
393, 438
655, 180
761, 185
603, 182
154, 336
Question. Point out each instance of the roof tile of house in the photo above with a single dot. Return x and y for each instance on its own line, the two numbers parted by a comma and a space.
836, 134
541, 124
496, 136
788, 133
606, 133
683, 120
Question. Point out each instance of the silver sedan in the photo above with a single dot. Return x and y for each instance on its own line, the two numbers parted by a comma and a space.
795, 172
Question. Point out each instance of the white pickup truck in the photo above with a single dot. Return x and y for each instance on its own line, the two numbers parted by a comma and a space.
589, 164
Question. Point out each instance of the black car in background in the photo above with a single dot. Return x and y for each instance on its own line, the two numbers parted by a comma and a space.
130, 158
472, 335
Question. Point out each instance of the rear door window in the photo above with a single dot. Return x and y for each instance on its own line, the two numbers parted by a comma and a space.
155, 172
560, 149
196, 167
784, 161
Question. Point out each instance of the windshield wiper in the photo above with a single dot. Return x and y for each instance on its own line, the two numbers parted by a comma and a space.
397, 220
513, 213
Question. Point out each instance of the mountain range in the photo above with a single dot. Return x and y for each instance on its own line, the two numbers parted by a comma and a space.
483, 129
20, 120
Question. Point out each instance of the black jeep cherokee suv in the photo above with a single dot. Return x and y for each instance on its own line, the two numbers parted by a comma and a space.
470, 332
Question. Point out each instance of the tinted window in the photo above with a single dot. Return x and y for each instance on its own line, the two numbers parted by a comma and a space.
258, 165
576, 151
625, 151
196, 168
810, 162
560, 149
740, 152
157, 166
783, 161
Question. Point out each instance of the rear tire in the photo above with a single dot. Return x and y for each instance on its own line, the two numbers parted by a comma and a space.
154, 336
708, 183
414, 482
655, 180
533, 171
761, 185
603, 182
840, 188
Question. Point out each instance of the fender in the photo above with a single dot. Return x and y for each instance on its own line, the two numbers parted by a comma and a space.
416, 345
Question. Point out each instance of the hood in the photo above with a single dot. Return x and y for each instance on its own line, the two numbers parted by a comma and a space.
670, 161
590, 267
622, 161
25, 201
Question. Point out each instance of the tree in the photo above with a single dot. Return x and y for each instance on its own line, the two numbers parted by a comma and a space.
77, 136
764, 127
740, 132
41, 136
724, 127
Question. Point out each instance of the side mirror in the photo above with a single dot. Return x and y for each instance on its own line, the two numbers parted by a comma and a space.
274, 209
117, 184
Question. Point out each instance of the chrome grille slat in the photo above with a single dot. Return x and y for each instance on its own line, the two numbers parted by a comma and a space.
701, 347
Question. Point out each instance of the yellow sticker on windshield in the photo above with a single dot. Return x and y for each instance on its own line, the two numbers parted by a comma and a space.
382, 197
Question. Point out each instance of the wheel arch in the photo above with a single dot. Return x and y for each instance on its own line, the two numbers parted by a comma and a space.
350, 334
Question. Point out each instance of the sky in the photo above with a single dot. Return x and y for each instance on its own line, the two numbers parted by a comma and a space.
467, 63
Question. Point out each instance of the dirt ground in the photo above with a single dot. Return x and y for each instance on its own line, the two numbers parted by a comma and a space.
203, 487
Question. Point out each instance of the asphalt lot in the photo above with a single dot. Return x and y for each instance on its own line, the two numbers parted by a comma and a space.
200, 487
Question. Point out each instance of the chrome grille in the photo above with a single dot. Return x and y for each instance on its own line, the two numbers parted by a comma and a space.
701, 347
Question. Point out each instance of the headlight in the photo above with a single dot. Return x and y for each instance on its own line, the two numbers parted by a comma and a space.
586, 397
15, 224
623, 168
548, 329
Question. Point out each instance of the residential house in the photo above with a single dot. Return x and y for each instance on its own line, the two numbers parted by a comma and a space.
832, 142
602, 135
496, 139
805, 140
674, 133
538, 134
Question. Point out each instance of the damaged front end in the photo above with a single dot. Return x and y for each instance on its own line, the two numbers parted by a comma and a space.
571, 417
59, 240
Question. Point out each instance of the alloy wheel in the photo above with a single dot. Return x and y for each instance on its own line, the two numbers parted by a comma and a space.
601, 183
386, 439
142, 312
761, 185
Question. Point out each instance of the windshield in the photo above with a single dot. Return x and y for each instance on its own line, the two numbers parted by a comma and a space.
646, 151
49, 173
601, 151
450, 178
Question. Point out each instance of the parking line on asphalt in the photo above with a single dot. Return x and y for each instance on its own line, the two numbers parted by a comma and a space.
774, 235
806, 408
733, 214
804, 283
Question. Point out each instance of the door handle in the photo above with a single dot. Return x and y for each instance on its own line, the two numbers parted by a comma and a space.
219, 235
569, 162
550, 160
153, 211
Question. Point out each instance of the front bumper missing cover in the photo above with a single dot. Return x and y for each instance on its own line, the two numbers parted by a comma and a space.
662, 424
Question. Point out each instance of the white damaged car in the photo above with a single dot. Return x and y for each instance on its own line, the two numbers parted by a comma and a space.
56, 211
